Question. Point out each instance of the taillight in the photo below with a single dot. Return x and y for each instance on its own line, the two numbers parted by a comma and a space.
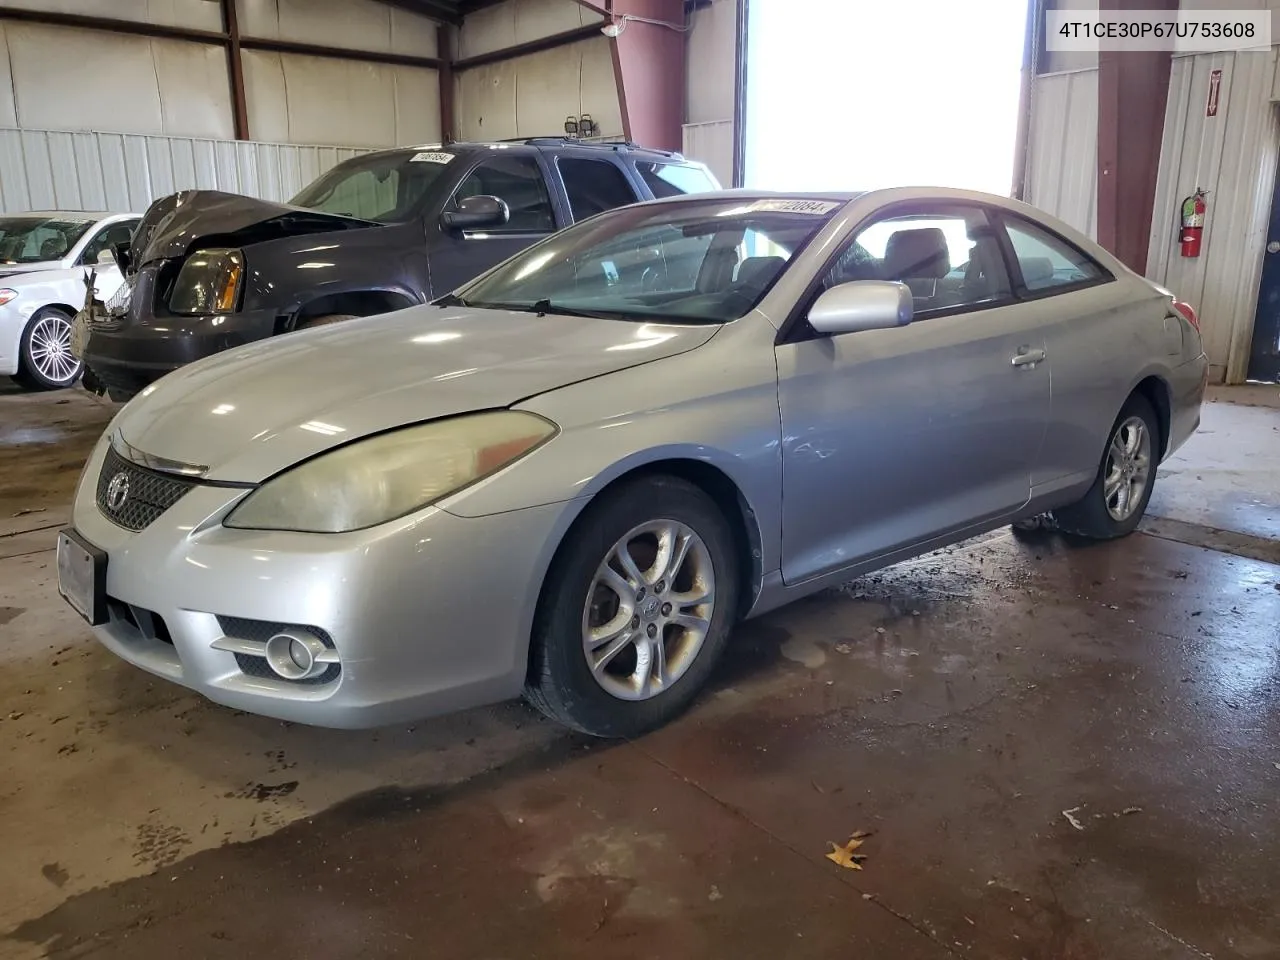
1188, 313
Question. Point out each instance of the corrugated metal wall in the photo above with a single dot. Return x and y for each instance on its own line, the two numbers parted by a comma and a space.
1062, 152
712, 144
42, 169
1233, 155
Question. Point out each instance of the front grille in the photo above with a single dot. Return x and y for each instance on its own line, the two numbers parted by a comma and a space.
149, 624
133, 497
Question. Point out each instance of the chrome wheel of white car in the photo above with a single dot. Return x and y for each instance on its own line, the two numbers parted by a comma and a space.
47, 360
635, 609
649, 609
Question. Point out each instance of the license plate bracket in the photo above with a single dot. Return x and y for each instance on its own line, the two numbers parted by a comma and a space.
82, 576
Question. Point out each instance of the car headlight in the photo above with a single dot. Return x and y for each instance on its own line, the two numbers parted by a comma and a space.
6, 295
388, 476
209, 282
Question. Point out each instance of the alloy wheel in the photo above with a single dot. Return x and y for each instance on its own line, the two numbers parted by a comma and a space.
1128, 468
50, 349
648, 610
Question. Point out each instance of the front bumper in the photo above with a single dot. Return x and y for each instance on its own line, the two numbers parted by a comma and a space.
428, 615
127, 356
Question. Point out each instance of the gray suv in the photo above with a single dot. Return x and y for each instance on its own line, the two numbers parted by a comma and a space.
207, 271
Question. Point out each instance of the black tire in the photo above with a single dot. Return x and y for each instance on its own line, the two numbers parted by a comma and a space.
29, 373
1089, 516
560, 682
323, 320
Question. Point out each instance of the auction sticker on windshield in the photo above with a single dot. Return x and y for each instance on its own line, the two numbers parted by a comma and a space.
431, 156
813, 207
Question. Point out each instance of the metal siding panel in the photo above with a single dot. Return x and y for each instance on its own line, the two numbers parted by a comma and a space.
227, 166
40, 168
1233, 156
35, 151
160, 181
182, 156
87, 161
115, 173
62, 171
14, 193
204, 160
137, 172
1062, 155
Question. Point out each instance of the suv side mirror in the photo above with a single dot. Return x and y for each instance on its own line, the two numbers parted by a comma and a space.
862, 305
478, 211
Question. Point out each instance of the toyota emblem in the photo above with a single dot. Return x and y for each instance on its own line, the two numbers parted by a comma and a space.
117, 491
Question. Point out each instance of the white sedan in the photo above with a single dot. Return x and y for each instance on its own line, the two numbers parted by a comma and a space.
44, 258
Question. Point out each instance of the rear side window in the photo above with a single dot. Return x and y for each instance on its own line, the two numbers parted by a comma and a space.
1047, 261
594, 186
519, 183
675, 179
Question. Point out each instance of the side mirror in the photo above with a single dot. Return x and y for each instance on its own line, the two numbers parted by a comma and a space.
862, 305
106, 258
479, 211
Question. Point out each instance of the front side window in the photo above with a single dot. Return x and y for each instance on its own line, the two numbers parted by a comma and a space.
384, 188
675, 179
1047, 261
107, 239
35, 239
518, 182
594, 186
949, 257
703, 261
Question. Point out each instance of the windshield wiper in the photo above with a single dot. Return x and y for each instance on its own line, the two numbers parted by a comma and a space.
451, 300
544, 306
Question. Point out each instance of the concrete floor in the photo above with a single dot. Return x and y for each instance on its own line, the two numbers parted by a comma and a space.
1059, 751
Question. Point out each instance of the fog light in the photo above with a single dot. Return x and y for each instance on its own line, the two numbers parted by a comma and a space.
297, 655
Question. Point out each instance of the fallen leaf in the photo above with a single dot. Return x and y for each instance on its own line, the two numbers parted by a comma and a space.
845, 856
27, 510
1128, 810
1071, 819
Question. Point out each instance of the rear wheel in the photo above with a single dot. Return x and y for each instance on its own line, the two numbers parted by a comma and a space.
1116, 502
46, 360
635, 610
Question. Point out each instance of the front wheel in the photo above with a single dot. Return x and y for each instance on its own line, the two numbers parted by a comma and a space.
1118, 498
635, 611
46, 360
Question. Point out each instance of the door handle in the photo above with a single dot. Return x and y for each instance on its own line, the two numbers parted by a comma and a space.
1027, 357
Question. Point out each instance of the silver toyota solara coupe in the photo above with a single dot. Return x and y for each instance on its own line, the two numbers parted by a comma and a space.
572, 477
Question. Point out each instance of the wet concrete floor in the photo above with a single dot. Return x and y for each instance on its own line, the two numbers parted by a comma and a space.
1057, 750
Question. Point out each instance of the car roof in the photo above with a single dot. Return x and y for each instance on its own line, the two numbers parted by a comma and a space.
467, 146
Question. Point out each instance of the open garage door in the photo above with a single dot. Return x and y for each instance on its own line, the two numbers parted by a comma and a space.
859, 96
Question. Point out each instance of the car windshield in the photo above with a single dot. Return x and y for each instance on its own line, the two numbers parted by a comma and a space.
34, 239
382, 187
703, 261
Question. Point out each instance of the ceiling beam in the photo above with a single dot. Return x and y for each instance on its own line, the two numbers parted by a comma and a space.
134, 27
444, 10
532, 46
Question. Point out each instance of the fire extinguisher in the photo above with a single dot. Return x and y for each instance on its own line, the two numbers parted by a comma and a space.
1192, 231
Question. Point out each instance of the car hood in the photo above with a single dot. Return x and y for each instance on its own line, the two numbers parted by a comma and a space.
9, 269
173, 224
251, 412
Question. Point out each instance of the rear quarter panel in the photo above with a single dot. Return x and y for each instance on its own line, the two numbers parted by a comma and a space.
1101, 343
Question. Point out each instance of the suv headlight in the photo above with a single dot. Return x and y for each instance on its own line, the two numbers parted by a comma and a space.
209, 282
391, 475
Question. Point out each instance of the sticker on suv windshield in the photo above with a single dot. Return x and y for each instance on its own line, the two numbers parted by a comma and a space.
431, 156
812, 207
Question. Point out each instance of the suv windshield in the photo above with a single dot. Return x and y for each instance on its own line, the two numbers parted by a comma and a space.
33, 239
703, 261
383, 187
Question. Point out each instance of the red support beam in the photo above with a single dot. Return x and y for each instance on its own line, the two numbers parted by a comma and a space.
1133, 88
649, 65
